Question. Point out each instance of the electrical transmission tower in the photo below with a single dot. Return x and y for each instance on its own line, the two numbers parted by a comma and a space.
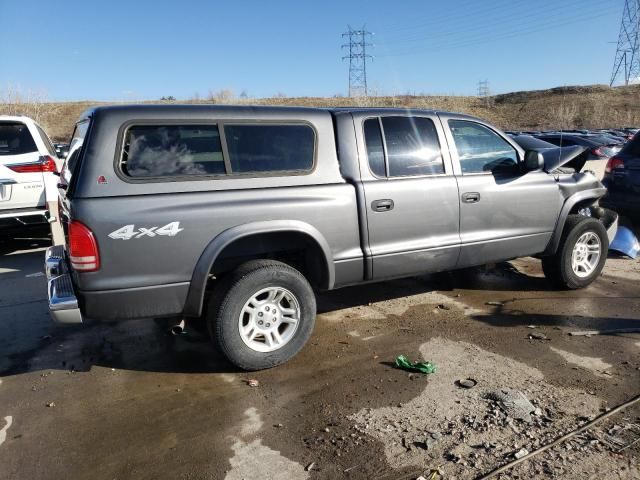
357, 60
627, 60
483, 90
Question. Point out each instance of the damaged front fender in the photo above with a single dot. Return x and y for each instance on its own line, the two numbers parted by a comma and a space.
580, 191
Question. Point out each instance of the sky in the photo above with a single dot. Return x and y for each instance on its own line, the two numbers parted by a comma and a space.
114, 50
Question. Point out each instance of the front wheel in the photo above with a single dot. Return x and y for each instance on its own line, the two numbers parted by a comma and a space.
262, 314
581, 254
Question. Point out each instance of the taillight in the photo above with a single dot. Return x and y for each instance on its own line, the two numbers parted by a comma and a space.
83, 248
45, 164
614, 163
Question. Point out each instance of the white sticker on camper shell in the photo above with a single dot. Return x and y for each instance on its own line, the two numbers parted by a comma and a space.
129, 231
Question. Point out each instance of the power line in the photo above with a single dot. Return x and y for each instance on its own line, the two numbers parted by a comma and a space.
626, 66
525, 18
357, 56
479, 39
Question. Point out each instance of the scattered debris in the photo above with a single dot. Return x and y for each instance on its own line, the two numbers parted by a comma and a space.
346, 470
619, 437
51, 404
514, 403
310, 467
495, 304
442, 306
467, 383
253, 382
532, 326
404, 363
523, 452
538, 336
589, 333
278, 425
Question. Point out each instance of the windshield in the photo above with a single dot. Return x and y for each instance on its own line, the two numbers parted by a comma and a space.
15, 139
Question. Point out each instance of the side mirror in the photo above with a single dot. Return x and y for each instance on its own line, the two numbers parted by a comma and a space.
533, 161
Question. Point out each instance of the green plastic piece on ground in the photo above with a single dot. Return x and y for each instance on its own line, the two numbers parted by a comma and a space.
404, 363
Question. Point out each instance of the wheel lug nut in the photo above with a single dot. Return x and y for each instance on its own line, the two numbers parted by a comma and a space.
260, 314
266, 308
268, 325
260, 322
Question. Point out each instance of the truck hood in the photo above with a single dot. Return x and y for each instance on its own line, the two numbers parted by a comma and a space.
571, 157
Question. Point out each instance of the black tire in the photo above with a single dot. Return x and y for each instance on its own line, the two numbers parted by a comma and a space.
229, 298
557, 268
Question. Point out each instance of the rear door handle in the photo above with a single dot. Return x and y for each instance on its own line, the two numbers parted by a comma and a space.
471, 197
383, 205
7, 181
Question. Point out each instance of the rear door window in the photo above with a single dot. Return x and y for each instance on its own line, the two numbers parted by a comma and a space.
410, 148
16, 139
375, 147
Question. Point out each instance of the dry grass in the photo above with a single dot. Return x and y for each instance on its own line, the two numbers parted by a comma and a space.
595, 106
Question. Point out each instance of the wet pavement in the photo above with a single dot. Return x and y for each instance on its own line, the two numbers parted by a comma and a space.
127, 401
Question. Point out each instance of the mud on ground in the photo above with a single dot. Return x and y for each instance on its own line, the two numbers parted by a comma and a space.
127, 401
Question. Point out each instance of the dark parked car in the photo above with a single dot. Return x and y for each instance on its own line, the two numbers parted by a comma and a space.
622, 179
600, 148
573, 157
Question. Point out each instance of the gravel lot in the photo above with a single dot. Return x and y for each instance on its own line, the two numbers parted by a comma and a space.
127, 401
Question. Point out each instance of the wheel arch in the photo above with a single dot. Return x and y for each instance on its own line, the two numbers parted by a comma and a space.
571, 205
235, 236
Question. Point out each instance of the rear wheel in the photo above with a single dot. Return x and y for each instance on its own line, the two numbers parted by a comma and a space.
262, 314
581, 254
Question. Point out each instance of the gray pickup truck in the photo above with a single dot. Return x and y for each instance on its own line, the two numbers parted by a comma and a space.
237, 215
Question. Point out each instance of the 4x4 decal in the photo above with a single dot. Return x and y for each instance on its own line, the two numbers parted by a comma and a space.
129, 231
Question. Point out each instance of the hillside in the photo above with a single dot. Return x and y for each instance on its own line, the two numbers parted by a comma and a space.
595, 106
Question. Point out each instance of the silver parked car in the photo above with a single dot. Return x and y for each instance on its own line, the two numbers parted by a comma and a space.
237, 215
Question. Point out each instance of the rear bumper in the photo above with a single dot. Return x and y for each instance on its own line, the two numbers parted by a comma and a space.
63, 304
24, 217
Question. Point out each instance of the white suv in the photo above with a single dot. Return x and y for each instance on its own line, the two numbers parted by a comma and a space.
28, 175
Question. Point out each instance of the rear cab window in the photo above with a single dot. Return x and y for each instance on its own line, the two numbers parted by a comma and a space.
16, 139
221, 149
399, 146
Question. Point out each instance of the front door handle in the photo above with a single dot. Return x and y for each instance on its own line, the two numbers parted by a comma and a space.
383, 205
471, 197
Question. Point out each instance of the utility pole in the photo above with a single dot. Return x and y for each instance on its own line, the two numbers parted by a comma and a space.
626, 67
483, 91
357, 48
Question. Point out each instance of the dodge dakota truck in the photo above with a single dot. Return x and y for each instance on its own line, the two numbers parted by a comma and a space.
237, 216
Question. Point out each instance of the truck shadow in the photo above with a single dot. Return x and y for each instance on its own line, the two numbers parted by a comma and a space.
30, 342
